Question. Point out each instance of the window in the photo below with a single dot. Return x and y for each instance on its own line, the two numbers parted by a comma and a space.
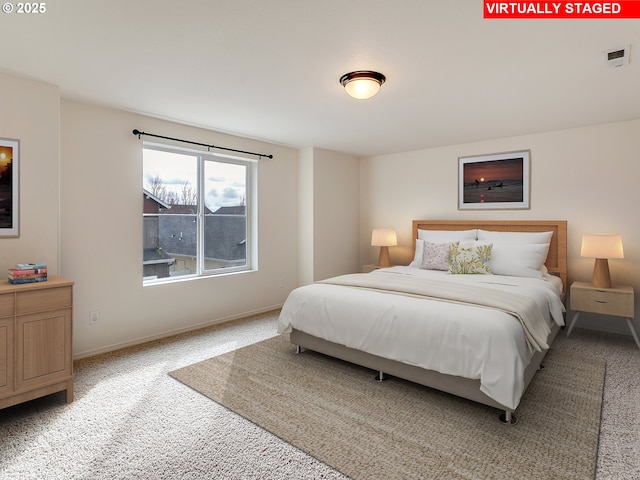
197, 213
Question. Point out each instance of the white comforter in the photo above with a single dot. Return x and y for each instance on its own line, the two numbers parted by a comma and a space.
456, 339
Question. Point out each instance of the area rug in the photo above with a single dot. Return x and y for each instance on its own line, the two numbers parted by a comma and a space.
339, 414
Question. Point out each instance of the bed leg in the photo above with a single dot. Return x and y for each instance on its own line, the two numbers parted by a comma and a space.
541, 367
508, 418
299, 349
381, 377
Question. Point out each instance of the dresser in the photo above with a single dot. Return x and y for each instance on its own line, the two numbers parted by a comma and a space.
36, 323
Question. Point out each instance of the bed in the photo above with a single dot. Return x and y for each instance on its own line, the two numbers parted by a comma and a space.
477, 336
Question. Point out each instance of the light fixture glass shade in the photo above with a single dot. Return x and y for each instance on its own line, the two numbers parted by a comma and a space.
384, 237
601, 245
362, 88
362, 84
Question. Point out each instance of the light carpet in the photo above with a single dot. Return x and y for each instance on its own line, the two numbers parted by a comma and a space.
337, 413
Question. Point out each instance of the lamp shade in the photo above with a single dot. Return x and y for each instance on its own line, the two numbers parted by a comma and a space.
601, 245
384, 237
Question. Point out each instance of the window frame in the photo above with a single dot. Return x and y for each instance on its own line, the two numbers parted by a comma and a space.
251, 195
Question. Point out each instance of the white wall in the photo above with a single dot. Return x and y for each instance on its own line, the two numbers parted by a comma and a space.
30, 113
305, 216
587, 176
336, 211
101, 233
329, 214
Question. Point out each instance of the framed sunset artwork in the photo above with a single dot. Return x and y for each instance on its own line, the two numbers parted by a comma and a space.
9, 187
496, 181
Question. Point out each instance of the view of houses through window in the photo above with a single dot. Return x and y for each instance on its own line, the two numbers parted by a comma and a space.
195, 210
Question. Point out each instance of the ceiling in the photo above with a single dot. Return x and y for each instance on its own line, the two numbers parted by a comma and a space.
269, 69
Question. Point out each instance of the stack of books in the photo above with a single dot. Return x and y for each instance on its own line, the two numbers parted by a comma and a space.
28, 273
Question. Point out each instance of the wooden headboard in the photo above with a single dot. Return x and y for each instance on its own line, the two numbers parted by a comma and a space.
556, 261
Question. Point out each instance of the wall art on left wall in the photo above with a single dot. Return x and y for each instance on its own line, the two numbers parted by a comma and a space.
9, 187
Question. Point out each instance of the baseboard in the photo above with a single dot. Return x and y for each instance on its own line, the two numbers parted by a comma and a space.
170, 333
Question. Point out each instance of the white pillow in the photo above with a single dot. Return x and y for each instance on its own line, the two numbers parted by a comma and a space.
417, 256
470, 257
514, 237
443, 236
518, 260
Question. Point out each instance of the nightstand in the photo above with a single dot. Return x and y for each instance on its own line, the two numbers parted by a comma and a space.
617, 301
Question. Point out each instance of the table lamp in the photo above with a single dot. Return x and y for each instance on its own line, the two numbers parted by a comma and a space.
601, 246
384, 238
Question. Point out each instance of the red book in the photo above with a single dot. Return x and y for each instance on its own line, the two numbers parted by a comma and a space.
18, 272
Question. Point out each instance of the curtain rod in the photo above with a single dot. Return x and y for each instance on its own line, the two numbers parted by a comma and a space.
138, 133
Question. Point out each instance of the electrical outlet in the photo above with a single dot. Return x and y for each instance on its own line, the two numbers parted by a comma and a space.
94, 317
281, 284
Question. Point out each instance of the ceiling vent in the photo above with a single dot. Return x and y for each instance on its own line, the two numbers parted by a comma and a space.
617, 57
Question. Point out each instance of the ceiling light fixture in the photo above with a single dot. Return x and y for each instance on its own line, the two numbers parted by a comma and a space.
362, 84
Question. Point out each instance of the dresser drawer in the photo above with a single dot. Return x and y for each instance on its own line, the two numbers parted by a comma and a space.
7, 305
605, 301
43, 299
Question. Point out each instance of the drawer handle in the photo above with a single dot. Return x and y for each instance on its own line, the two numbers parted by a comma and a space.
600, 301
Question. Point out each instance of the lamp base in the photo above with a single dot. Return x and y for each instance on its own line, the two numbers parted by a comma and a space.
601, 277
383, 260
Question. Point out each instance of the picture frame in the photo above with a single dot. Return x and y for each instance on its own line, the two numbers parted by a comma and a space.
9, 187
498, 181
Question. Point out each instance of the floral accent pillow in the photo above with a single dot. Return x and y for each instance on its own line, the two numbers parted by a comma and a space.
470, 257
435, 256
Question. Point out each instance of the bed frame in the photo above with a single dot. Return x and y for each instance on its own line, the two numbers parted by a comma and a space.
556, 263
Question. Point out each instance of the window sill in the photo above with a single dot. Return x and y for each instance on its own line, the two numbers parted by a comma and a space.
190, 278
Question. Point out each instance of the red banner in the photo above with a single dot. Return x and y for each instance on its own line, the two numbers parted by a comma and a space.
562, 9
